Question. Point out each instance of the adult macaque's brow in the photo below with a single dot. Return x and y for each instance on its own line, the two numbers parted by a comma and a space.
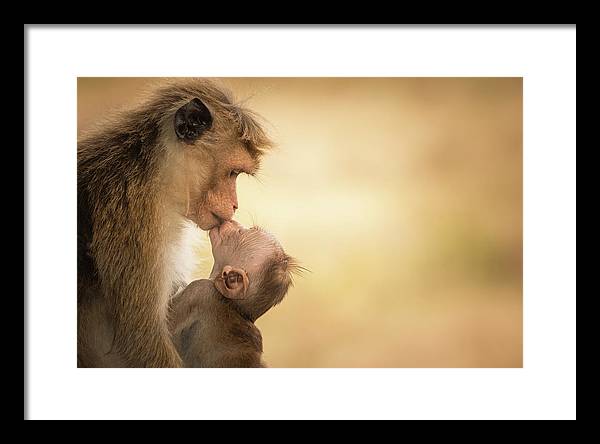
245, 166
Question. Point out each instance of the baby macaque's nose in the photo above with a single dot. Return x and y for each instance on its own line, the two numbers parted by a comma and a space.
229, 226
216, 234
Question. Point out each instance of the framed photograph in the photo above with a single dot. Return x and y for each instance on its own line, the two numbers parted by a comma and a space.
384, 221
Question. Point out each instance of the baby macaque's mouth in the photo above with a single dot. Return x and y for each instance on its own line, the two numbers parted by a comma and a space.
216, 234
228, 226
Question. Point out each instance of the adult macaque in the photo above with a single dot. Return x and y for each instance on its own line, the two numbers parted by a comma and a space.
142, 176
213, 319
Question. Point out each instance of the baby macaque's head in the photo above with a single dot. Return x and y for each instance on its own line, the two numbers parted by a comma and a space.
250, 267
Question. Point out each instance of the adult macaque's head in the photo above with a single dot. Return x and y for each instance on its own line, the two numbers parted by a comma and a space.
250, 267
219, 140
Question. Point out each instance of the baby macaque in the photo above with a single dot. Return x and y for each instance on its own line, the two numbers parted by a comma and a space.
213, 319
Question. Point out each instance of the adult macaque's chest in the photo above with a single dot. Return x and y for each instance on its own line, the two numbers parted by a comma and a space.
182, 258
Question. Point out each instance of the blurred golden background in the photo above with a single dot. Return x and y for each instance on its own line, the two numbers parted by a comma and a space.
402, 196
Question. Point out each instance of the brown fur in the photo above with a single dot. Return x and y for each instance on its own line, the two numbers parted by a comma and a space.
136, 182
210, 332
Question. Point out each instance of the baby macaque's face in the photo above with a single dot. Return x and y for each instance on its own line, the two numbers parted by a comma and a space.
250, 267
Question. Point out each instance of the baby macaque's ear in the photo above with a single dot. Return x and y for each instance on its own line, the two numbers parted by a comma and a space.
232, 283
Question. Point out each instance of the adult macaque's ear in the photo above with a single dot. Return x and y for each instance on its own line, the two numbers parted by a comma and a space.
232, 283
191, 120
